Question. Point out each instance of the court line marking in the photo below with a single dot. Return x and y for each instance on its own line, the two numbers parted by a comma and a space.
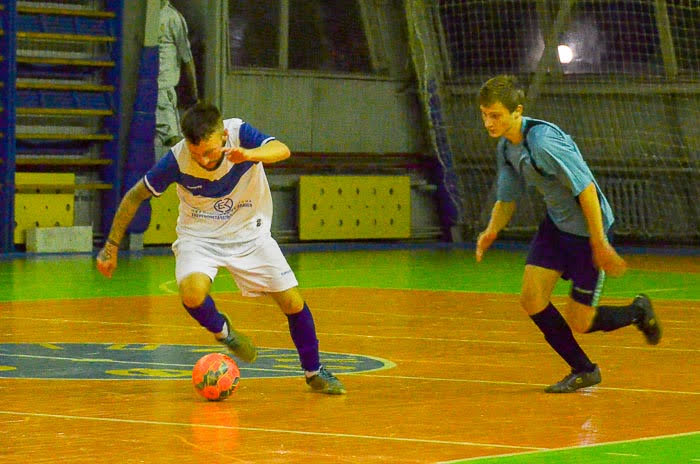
274, 305
565, 448
295, 374
165, 288
617, 295
528, 384
382, 337
269, 430
522, 320
682, 323
286, 373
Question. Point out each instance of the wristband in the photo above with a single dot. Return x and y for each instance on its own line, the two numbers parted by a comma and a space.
112, 242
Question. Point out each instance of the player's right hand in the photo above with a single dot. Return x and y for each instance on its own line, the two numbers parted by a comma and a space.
236, 154
486, 238
107, 260
606, 258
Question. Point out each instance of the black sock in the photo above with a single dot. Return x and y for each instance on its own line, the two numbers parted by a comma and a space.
609, 318
559, 336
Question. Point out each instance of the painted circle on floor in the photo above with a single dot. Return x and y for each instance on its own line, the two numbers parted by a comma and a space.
119, 361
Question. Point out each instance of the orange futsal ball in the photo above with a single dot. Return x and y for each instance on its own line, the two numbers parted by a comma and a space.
215, 376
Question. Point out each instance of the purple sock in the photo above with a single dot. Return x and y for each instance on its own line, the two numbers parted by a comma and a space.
207, 315
303, 331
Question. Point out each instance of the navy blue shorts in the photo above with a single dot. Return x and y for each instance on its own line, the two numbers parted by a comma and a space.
572, 256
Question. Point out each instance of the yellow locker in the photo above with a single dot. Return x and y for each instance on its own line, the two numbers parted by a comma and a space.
354, 207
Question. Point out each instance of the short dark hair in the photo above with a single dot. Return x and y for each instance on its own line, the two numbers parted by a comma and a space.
502, 89
200, 121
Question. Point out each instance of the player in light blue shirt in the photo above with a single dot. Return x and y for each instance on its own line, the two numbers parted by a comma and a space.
572, 241
554, 166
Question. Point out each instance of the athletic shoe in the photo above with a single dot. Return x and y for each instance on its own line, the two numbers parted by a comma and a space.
574, 381
239, 344
647, 322
325, 382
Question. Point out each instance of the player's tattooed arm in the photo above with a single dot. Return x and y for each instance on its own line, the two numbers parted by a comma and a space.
126, 211
107, 257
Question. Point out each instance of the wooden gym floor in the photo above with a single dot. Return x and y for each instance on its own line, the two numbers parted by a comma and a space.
440, 363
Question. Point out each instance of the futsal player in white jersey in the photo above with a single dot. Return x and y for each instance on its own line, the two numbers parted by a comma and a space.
224, 220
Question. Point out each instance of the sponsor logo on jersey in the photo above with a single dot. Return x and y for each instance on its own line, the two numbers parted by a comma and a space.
225, 205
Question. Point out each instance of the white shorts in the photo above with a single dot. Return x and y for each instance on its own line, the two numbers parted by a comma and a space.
258, 267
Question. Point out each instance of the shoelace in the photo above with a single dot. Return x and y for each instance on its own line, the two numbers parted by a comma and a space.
572, 376
231, 339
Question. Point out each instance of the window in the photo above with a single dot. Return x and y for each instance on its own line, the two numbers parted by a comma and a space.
324, 35
601, 36
253, 29
684, 16
327, 35
615, 36
486, 36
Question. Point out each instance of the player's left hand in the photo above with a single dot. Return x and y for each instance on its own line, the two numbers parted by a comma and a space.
483, 242
236, 154
107, 260
606, 258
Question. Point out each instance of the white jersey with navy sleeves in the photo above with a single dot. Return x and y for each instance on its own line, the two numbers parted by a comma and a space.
231, 204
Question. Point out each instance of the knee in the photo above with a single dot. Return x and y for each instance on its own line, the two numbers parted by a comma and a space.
291, 306
192, 299
192, 296
194, 289
577, 326
530, 304
578, 318
290, 301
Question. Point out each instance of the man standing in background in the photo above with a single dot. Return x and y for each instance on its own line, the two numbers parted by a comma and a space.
174, 53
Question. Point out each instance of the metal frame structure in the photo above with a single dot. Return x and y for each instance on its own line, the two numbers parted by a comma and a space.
8, 97
29, 97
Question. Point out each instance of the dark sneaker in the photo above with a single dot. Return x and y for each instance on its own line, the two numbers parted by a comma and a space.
239, 344
325, 382
647, 322
574, 381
